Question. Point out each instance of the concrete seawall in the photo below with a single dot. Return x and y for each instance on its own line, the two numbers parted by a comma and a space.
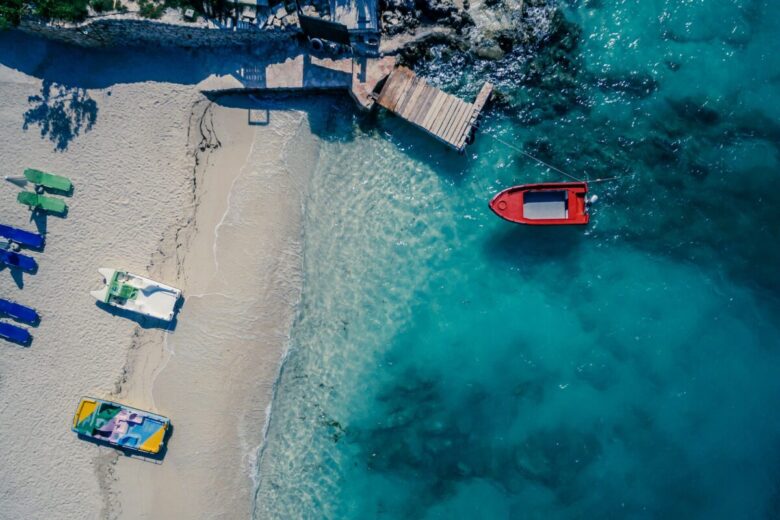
133, 30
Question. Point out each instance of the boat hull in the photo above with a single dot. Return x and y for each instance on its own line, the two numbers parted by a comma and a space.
22, 237
18, 261
121, 426
18, 312
15, 334
137, 294
546, 204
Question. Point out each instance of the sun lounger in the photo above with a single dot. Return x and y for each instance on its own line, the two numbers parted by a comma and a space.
18, 312
40, 202
14, 333
48, 180
22, 237
17, 261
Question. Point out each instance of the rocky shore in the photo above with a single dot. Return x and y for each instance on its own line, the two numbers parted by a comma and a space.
486, 29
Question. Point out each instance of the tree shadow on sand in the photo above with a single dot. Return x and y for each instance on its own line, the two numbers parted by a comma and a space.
61, 112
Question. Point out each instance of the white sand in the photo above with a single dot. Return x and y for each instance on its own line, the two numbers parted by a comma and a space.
226, 231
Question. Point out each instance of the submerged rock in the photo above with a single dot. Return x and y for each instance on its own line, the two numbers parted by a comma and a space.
489, 51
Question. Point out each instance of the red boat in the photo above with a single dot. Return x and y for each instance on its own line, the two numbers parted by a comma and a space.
545, 204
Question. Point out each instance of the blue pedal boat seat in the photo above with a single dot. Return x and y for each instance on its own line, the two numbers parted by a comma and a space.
22, 237
17, 261
14, 333
18, 312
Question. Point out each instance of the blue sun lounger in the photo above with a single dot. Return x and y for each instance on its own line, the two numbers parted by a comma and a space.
22, 237
17, 261
14, 333
18, 312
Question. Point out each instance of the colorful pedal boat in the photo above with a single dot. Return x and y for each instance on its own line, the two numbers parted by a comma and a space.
545, 204
40, 202
18, 261
137, 294
22, 237
13, 333
18, 312
48, 180
120, 425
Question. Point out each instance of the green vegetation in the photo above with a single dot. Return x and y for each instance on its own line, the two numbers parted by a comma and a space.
101, 6
68, 10
104, 6
150, 9
12, 11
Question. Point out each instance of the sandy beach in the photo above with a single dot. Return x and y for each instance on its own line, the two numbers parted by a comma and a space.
172, 185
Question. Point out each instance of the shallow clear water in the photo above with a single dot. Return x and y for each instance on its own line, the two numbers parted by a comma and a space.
447, 364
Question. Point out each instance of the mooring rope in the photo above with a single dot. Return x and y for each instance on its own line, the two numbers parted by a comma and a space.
510, 145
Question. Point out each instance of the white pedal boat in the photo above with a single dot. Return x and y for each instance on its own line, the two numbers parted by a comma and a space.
137, 294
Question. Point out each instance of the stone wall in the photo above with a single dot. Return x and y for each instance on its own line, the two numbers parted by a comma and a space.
131, 30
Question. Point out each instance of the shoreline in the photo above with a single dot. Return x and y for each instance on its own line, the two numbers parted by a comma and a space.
143, 490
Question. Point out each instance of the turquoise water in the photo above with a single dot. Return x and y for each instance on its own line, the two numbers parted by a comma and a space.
447, 364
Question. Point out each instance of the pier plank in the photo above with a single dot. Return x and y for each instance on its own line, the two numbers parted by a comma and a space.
459, 125
452, 107
423, 105
444, 109
434, 110
414, 112
403, 100
393, 89
454, 123
403, 86
443, 116
414, 95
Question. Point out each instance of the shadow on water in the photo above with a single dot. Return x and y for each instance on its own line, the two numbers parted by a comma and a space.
154, 458
423, 148
145, 322
343, 121
523, 245
61, 113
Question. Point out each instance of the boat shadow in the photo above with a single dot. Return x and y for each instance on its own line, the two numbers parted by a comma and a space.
18, 274
33, 324
153, 458
41, 224
61, 193
39, 213
145, 322
23, 344
524, 245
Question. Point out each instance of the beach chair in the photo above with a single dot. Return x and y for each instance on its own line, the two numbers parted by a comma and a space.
13, 333
39, 202
48, 180
22, 237
18, 312
17, 261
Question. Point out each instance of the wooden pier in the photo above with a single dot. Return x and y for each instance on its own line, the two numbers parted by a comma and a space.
443, 116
